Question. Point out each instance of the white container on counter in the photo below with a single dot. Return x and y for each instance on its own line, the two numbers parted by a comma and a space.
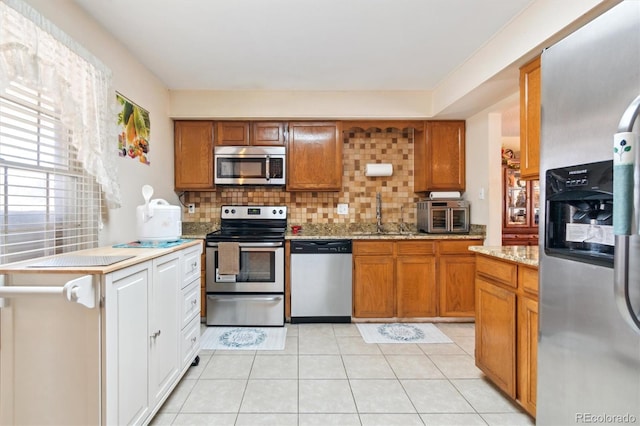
158, 222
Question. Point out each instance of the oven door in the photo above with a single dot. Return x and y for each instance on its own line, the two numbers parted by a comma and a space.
261, 269
459, 219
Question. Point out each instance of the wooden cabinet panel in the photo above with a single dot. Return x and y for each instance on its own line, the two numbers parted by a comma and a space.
416, 286
439, 157
232, 133
527, 353
457, 285
530, 86
496, 334
405, 248
528, 279
193, 155
373, 247
269, 133
502, 272
457, 246
374, 290
314, 157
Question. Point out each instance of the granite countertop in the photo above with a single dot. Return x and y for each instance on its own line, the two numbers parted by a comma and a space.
351, 231
527, 255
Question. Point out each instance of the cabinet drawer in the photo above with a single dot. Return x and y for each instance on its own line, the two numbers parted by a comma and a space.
415, 247
457, 246
373, 247
190, 302
190, 342
502, 272
191, 265
528, 279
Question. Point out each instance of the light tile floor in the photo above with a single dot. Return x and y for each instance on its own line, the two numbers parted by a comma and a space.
328, 375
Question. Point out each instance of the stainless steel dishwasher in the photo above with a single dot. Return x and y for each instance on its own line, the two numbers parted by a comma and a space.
321, 281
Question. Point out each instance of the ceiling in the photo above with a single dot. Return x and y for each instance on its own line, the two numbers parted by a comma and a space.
346, 45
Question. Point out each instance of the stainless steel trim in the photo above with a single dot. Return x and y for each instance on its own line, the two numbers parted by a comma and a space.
252, 299
248, 151
263, 246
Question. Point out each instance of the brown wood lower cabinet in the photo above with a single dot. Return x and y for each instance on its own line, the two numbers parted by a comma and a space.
507, 327
413, 278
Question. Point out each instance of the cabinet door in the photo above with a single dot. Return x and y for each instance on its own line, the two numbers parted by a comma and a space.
416, 282
439, 157
373, 287
496, 334
193, 155
269, 133
232, 133
127, 345
314, 157
530, 119
457, 285
527, 353
164, 324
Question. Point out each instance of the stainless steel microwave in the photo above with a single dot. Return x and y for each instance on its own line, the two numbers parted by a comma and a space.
249, 165
443, 216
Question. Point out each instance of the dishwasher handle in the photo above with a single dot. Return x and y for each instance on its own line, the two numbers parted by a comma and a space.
321, 247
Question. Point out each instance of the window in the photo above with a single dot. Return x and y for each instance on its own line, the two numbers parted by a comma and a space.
50, 204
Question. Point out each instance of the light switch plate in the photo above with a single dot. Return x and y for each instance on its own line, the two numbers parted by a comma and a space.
343, 208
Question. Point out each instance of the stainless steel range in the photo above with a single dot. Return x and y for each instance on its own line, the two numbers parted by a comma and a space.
253, 293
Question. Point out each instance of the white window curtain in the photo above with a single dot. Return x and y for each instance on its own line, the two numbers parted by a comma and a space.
36, 54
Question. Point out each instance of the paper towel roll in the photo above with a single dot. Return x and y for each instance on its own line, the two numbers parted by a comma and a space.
440, 195
378, 169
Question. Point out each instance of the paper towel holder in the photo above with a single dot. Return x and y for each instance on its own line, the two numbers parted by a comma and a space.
378, 169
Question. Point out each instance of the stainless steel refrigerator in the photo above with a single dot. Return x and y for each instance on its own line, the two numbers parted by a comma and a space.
589, 332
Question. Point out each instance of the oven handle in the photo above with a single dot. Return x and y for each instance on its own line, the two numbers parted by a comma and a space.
252, 299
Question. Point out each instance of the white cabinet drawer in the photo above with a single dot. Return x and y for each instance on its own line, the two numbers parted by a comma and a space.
190, 341
190, 303
191, 265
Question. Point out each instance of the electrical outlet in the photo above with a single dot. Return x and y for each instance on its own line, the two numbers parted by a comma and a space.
192, 208
343, 208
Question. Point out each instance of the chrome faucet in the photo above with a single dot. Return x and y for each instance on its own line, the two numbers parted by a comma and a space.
379, 211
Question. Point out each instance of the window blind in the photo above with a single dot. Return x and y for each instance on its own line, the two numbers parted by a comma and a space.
50, 204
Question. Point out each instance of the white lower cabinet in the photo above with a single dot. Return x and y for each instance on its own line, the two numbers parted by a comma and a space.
62, 363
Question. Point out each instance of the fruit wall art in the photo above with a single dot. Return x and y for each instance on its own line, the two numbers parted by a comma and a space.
135, 127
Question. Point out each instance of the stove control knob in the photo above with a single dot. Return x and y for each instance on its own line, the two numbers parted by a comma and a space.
226, 211
233, 211
274, 211
280, 211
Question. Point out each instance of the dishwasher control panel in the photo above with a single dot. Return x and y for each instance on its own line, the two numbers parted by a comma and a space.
321, 246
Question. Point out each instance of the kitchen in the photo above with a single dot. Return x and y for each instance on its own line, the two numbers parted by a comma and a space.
482, 132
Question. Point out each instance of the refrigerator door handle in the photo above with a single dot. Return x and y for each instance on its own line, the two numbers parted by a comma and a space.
624, 165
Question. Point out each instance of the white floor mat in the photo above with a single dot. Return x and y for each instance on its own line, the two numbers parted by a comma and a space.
244, 338
402, 333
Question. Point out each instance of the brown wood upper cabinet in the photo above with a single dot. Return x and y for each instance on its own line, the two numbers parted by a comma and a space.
193, 155
530, 120
314, 156
269, 133
232, 133
439, 157
238, 133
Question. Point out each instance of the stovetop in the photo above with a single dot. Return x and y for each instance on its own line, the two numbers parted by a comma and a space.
250, 223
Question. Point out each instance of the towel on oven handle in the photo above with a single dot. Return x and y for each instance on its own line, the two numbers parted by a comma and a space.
228, 258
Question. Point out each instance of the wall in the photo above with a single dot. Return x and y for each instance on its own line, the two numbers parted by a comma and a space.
484, 170
139, 85
360, 147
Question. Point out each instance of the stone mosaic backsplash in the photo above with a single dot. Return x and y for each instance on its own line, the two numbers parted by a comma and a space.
358, 191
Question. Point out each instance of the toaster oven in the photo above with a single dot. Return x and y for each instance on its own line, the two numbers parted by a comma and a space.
443, 216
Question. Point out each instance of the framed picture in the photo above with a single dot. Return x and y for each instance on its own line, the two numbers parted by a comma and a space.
135, 128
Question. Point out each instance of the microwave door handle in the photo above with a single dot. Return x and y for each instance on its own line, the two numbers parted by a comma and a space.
625, 144
268, 167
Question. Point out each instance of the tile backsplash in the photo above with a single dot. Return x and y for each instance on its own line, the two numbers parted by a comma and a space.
358, 191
